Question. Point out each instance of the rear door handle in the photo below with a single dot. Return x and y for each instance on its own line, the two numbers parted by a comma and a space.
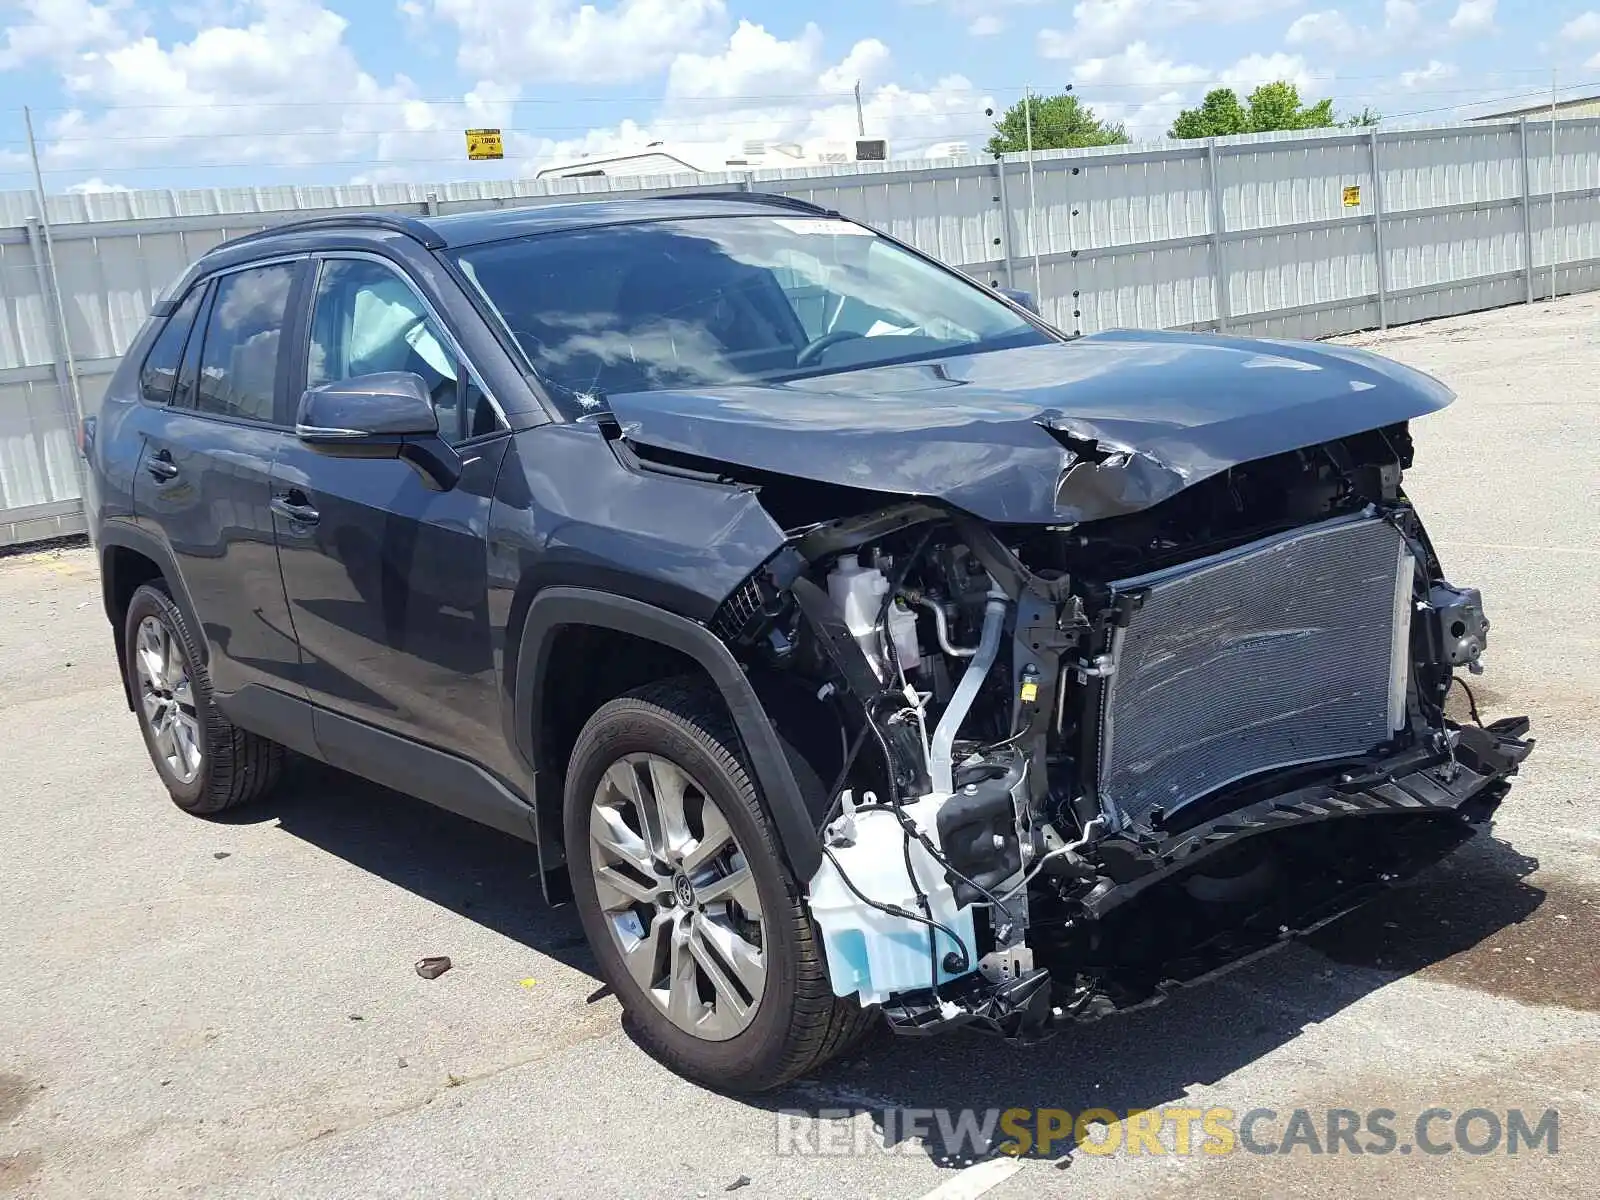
161, 466
288, 508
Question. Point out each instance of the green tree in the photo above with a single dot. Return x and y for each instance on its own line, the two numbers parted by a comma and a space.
1271, 106
1362, 119
1219, 114
1059, 123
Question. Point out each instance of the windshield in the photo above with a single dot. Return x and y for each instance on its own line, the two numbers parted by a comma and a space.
671, 304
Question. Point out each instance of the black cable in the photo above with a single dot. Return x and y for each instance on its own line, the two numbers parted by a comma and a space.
908, 827
927, 911
836, 792
894, 910
1472, 701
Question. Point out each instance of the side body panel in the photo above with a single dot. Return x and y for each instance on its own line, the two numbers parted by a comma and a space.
387, 594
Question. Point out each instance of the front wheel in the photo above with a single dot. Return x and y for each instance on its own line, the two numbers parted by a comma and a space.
698, 925
207, 763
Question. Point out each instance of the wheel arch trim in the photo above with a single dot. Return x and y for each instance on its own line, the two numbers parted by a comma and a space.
558, 606
122, 536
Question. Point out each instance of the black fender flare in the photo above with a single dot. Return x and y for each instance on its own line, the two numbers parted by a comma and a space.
122, 535
557, 606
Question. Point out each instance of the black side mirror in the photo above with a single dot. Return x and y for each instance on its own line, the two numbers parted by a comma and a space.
1021, 299
388, 414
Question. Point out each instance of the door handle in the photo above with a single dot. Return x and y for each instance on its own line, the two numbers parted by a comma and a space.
300, 513
161, 466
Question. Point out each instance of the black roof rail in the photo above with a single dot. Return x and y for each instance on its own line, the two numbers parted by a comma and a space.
392, 222
776, 199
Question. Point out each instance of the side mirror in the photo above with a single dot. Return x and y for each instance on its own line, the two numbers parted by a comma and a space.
388, 414
1021, 299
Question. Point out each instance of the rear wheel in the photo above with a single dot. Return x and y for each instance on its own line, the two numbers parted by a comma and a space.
206, 763
698, 925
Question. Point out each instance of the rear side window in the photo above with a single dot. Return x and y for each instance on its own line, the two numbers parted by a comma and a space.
239, 359
159, 375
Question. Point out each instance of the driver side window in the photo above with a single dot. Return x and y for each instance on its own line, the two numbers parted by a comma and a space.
368, 319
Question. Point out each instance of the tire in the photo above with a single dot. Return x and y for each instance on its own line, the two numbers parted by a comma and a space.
228, 766
796, 1023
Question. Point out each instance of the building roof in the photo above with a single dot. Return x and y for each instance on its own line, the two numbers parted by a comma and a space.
1571, 105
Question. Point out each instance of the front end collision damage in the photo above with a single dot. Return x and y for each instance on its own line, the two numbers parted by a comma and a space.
979, 865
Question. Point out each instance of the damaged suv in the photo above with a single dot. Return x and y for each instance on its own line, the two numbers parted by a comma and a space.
853, 645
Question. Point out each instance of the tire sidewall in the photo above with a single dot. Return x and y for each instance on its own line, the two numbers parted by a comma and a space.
622, 728
150, 601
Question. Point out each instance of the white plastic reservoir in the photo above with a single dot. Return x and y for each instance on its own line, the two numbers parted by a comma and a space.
869, 951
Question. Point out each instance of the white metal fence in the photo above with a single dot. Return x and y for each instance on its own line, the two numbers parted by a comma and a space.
1285, 235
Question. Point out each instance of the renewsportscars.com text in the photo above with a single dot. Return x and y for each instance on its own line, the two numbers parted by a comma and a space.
1179, 1131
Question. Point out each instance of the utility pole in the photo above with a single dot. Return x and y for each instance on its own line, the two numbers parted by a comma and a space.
74, 396
1033, 203
861, 120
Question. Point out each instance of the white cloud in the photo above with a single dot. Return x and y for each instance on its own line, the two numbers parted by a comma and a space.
758, 87
1136, 66
561, 41
986, 25
59, 29
1250, 72
1434, 72
95, 185
1585, 27
281, 87
1401, 18
1473, 16
1329, 28
1102, 25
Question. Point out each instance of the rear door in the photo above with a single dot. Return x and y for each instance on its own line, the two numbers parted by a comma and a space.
387, 578
213, 421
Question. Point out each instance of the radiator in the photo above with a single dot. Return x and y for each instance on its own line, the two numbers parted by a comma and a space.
1286, 651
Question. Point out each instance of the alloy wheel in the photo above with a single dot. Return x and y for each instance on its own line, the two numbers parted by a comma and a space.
166, 699
677, 895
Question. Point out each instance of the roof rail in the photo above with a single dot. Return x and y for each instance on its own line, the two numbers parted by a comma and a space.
776, 199
393, 222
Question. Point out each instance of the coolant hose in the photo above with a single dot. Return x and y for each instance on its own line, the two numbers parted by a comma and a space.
941, 764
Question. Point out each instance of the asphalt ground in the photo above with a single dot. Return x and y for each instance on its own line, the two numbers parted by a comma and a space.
198, 1008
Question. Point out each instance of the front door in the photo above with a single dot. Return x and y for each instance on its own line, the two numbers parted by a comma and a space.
387, 578
214, 421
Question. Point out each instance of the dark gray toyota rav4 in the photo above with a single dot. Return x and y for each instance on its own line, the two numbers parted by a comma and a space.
852, 644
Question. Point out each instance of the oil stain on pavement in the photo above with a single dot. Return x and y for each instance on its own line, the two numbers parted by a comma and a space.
1534, 939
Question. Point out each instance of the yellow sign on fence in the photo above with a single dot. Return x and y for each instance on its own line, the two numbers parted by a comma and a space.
484, 143
1352, 195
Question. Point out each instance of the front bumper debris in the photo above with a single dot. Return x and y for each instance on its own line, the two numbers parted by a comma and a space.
1401, 814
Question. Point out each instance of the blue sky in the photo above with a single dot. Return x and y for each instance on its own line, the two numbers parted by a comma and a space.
180, 93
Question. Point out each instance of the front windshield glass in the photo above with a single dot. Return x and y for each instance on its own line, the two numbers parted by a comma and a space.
671, 304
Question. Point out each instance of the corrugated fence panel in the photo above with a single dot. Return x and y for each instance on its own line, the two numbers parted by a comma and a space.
1424, 170
38, 446
25, 327
1104, 202
1148, 289
1444, 248
1293, 270
1124, 236
1288, 183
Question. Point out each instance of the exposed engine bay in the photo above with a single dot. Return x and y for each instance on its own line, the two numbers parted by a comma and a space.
1079, 764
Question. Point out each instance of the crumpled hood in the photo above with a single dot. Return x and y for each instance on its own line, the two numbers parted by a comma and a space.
1093, 428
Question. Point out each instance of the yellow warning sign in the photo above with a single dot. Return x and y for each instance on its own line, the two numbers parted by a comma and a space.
484, 143
1352, 195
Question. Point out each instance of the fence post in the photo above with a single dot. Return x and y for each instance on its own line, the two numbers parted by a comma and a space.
1527, 211
1005, 220
1377, 226
1219, 268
